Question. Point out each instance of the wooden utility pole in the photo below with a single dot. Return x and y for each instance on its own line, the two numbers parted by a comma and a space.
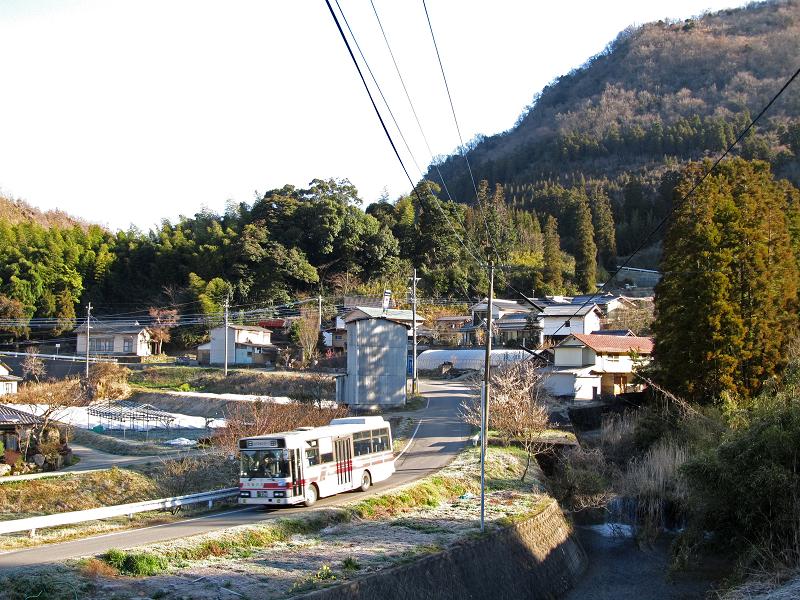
487, 366
88, 319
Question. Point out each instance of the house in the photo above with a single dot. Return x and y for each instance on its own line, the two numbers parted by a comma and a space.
121, 339
514, 320
587, 366
448, 329
247, 345
607, 302
404, 317
15, 429
335, 335
8, 382
561, 320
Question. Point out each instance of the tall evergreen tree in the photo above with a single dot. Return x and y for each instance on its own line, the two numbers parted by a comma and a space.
585, 248
552, 275
727, 305
603, 221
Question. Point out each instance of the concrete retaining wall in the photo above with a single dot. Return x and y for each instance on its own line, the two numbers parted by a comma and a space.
537, 559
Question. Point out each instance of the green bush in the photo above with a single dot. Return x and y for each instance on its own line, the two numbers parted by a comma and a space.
135, 563
747, 490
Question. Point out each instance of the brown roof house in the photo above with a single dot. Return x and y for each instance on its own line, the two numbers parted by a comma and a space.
588, 366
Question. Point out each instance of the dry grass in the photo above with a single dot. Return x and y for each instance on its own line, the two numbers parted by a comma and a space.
94, 567
653, 485
298, 385
74, 492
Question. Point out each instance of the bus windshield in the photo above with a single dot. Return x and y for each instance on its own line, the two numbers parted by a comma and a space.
265, 463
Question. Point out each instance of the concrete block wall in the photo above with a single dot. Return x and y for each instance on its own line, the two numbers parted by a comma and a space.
538, 559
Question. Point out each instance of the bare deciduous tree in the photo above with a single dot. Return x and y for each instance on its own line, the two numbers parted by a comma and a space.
308, 335
164, 319
260, 418
50, 402
32, 365
518, 407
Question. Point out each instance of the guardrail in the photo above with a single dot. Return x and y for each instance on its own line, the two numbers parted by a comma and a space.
69, 357
31, 524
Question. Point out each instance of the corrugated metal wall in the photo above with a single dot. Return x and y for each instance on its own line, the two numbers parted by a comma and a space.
376, 363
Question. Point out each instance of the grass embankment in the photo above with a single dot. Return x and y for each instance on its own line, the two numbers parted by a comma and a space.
82, 491
297, 385
113, 445
287, 556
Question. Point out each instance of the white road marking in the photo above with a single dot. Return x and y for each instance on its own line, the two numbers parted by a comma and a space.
410, 440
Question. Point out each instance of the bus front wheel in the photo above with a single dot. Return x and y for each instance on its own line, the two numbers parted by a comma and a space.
311, 495
366, 481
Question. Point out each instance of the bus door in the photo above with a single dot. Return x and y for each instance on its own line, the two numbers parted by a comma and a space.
298, 473
344, 461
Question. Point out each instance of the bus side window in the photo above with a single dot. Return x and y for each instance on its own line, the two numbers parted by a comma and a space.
326, 458
361, 447
380, 440
312, 456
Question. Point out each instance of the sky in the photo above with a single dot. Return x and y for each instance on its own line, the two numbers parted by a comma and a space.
132, 111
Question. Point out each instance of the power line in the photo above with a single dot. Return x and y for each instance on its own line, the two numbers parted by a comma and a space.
683, 199
458, 128
383, 124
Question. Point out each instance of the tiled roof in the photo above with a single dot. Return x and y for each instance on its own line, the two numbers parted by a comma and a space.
616, 344
12, 416
567, 310
99, 327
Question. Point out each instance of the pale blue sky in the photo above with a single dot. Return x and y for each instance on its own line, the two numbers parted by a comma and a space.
123, 111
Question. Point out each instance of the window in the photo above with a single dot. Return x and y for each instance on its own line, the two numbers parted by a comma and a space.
312, 454
361, 443
566, 323
101, 344
613, 357
368, 442
127, 345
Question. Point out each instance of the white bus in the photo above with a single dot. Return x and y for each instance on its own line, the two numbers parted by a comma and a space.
300, 466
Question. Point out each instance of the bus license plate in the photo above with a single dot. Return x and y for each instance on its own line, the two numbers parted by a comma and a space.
263, 494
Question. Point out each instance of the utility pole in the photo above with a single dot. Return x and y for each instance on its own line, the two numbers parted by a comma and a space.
414, 385
319, 309
225, 369
88, 317
485, 396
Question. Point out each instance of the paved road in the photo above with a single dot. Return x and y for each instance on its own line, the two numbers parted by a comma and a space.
96, 460
439, 437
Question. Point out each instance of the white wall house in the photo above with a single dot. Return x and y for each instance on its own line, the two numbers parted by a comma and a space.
112, 338
247, 345
8, 382
562, 320
587, 366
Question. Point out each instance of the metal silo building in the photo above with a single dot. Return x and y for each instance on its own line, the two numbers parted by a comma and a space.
376, 363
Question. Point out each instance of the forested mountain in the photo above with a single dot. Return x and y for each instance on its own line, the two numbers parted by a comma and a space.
658, 96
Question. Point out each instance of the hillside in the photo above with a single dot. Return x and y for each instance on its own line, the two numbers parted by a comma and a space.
658, 96
18, 211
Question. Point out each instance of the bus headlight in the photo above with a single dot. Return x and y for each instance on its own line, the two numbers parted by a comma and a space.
279, 494
244, 494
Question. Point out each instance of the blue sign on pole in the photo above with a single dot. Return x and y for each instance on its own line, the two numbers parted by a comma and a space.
410, 366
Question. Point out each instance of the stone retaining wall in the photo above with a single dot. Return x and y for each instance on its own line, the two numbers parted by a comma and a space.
537, 559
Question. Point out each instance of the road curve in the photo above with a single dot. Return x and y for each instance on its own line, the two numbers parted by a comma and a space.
439, 437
